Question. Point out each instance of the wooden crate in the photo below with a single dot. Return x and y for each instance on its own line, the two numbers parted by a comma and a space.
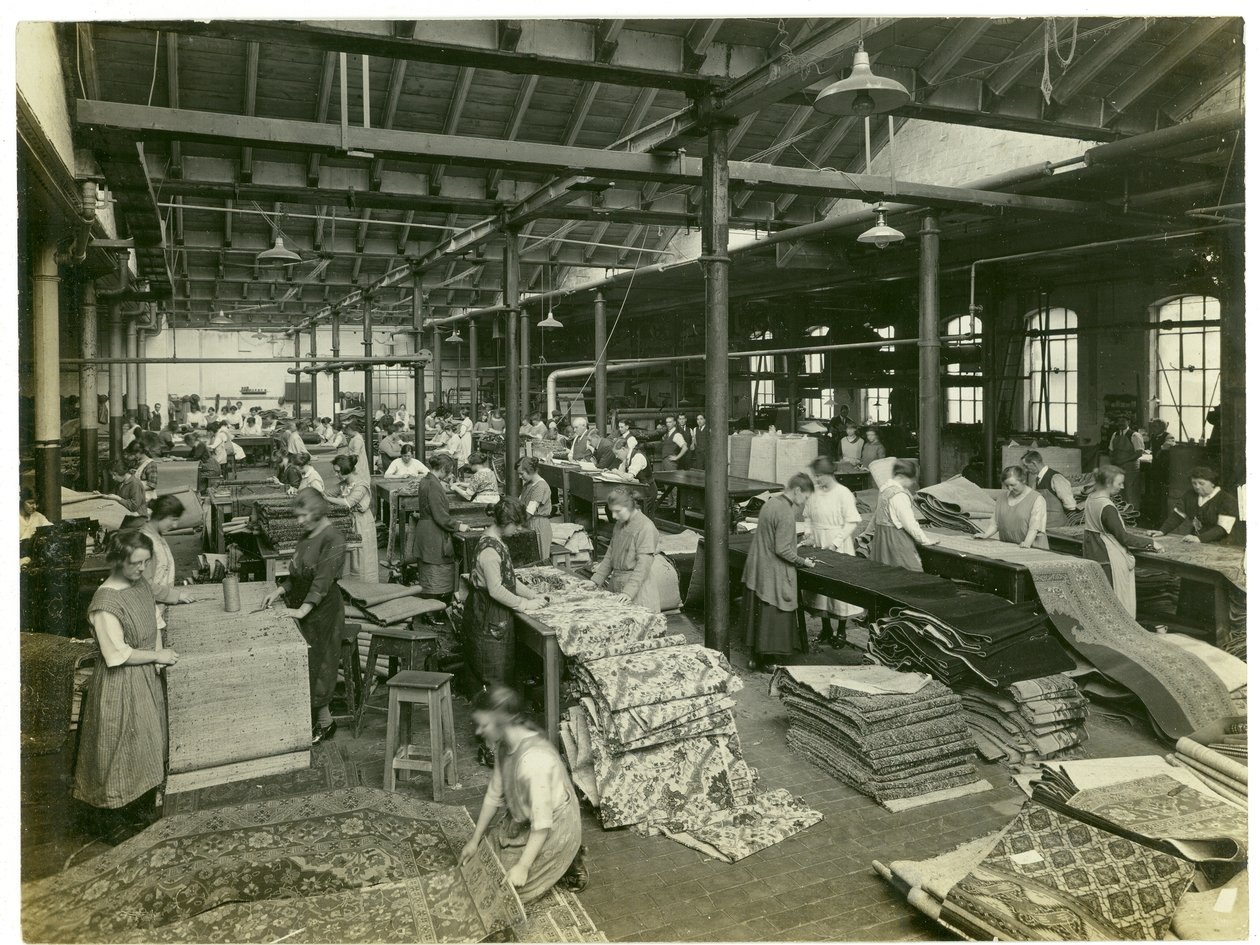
238, 700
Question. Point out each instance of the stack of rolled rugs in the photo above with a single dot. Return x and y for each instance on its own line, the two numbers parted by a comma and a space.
1082, 486
1218, 755
1018, 647
278, 520
957, 504
652, 742
898, 737
1031, 720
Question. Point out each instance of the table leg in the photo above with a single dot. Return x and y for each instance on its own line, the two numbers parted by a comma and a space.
1220, 612
682, 506
551, 688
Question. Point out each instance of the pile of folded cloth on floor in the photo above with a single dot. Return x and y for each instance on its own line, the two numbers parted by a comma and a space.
1018, 647
897, 737
278, 520
1104, 849
1082, 486
957, 504
1030, 720
574, 539
652, 742
1217, 754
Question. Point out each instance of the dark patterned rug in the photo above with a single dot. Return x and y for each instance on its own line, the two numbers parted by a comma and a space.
48, 664
355, 865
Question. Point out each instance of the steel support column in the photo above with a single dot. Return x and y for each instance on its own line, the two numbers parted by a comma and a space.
142, 377
715, 214
369, 432
991, 318
336, 372
117, 378
929, 352
524, 351
511, 302
132, 411
314, 381
417, 373
297, 373
473, 366
601, 364
88, 418
437, 368
46, 339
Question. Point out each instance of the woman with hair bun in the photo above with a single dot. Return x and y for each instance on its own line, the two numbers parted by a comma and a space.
314, 601
531, 809
357, 497
626, 569
1107, 541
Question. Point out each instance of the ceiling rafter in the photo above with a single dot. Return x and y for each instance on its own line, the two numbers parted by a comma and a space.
397, 75
1183, 105
459, 98
822, 153
508, 33
517, 120
607, 35
327, 72
1026, 55
172, 97
789, 130
251, 101
1163, 62
941, 60
1097, 58
697, 42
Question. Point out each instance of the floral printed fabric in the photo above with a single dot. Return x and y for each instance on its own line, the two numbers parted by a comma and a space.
348, 865
657, 676
731, 835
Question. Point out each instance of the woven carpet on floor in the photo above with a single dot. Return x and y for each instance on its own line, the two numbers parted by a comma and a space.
1179, 691
354, 865
48, 665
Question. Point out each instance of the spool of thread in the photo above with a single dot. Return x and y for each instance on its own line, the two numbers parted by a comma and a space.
231, 593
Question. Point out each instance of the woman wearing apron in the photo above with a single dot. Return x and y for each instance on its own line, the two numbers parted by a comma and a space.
357, 497
488, 630
1019, 516
531, 809
627, 567
1107, 540
831, 516
536, 497
893, 532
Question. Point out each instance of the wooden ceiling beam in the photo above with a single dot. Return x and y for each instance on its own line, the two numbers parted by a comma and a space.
251, 101
1086, 67
337, 40
404, 232
697, 42
1150, 72
227, 223
600, 232
1183, 105
952, 48
327, 73
789, 130
822, 153
459, 98
172, 98
397, 75
1027, 54
607, 35
517, 120
581, 109
508, 33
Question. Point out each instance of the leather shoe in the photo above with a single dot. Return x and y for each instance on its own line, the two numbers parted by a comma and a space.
323, 734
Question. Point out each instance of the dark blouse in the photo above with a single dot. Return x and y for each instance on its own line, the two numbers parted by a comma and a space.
1190, 518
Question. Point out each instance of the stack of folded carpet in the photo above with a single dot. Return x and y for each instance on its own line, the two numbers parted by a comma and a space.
1016, 647
1215, 758
1030, 720
652, 741
957, 504
1082, 486
278, 519
385, 604
897, 737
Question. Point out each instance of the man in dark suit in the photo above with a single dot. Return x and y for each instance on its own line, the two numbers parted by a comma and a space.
700, 443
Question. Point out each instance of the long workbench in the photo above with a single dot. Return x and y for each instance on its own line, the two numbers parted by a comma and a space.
691, 486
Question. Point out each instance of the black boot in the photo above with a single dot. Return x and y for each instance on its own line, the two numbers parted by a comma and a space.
576, 876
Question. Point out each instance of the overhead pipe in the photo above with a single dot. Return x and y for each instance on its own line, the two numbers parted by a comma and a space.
77, 252
1140, 146
382, 359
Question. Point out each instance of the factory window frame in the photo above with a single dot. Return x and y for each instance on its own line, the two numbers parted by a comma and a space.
816, 364
1186, 363
1050, 367
875, 400
762, 387
963, 404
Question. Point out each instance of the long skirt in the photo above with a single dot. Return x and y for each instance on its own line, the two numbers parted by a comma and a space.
436, 580
323, 629
542, 525
369, 555
821, 604
489, 640
122, 743
770, 631
564, 839
892, 546
1105, 549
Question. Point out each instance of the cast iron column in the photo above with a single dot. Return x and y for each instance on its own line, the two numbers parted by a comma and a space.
369, 433
142, 377
472, 368
117, 374
314, 385
132, 411
524, 351
297, 373
511, 301
88, 425
717, 513
417, 369
601, 364
437, 367
929, 353
336, 372
46, 339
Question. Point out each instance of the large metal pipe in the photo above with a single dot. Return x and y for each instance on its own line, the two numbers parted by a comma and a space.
437, 368
46, 342
297, 374
117, 375
524, 343
132, 411
714, 240
1138, 146
336, 355
601, 366
380, 359
929, 352
142, 375
89, 424
369, 432
511, 296
473, 368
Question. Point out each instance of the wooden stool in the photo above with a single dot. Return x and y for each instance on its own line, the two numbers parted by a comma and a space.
404, 648
433, 690
352, 674
560, 555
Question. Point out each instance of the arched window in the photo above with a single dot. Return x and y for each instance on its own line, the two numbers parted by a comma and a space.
762, 370
1050, 367
875, 399
815, 366
1187, 363
964, 403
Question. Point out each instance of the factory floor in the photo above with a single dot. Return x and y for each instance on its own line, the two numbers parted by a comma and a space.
817, 885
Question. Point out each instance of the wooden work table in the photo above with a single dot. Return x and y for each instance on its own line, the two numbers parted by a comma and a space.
691, 485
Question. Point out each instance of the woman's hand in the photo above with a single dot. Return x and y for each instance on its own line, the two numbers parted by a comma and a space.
166, 657
469, 851
621, 598
294, 612
807, 563
1156, 534
518, 875
1156, 546
291, 490
273, 597
185, 599
463, 527
1193, 539
930, 542
530, 603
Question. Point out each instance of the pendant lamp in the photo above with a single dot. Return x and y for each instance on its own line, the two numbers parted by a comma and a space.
278, 255
881, 234
455, 337
863, 93
222, 318
550, 321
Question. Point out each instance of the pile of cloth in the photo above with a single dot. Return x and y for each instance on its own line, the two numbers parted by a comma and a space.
1018, 647
385, 604
1082, 486
897, 737
957, 504
1217, 754
575, 539
1030, 720
278, 520
652, 742
1106, 848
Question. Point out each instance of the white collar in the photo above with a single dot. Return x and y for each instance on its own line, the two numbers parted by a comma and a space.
1204, 500
1042, 471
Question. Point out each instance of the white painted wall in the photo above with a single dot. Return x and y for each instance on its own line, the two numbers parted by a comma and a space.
40, 81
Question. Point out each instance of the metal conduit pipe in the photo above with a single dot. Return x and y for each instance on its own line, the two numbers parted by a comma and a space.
675, 358
175, 359
1142, 145
77, 252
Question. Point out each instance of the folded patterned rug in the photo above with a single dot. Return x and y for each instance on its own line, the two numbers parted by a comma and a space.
368, 595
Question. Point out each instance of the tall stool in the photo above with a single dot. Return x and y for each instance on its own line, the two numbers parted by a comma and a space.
352, 673
407, 690
404, 648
